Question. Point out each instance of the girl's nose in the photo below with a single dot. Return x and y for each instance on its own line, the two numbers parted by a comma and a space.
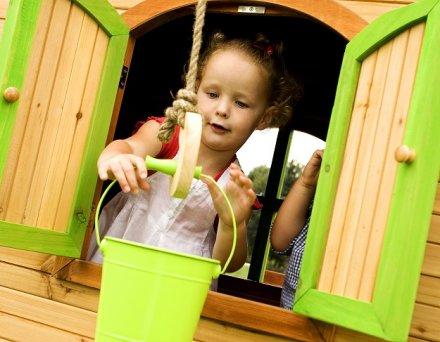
221, 113
222, 109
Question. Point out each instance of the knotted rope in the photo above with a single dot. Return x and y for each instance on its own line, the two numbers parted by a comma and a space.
186, 99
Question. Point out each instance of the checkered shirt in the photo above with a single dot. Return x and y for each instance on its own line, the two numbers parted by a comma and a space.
295, 250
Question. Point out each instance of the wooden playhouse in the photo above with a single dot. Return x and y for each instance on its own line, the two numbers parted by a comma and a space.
77, 73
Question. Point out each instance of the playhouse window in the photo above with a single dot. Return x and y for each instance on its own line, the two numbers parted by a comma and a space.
155, 74
267, 163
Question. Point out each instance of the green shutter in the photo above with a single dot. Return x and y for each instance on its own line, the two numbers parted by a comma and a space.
387, 312
76, 118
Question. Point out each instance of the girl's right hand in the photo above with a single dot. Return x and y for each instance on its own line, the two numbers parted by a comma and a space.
310, 174
129, 170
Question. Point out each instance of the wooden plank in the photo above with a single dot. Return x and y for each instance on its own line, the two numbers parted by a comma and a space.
432, 260
36, 122
3, 8
82, 272
426, 322
27, 259
333, 246
274, 278
48, 312
101, 117
124, 4
437, 201
66, 128
55, 263
345, 335
70, 30
24, 111
434, 231
81, 130
46, 286
211, 330
259, 317
376, 177
13, 328
371, 10
429, 291
390, 166
326, 330
23, 279
415, 339
363, 156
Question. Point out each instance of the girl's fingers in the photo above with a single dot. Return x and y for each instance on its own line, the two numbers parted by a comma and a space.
129, 170
139, 163
124, 173
102, 172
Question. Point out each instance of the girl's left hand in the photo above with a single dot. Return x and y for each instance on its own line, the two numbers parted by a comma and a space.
239, 192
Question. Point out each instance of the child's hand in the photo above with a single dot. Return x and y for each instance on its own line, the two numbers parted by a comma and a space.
309, 177
240, 194
128, 169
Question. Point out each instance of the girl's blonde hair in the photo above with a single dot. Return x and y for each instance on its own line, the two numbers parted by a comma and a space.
285, 92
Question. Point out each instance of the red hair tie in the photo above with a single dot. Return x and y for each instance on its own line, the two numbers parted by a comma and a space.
268, 48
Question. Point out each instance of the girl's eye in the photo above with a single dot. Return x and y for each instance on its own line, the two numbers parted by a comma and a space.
212, 95
241, 104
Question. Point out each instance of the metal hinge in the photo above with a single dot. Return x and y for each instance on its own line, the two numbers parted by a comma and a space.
123, 79
252, 9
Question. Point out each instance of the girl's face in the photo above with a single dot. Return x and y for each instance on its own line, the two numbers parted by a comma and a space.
232, 98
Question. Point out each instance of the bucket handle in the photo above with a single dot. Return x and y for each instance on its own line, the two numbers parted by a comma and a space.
168, 166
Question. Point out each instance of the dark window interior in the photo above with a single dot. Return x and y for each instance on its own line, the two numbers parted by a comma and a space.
314, 55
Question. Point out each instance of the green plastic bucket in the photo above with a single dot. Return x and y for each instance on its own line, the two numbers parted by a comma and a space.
151, 294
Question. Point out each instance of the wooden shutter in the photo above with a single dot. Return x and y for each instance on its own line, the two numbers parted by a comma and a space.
64, 58
378, 179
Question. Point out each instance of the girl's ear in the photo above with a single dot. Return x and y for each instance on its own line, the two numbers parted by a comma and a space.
266, 120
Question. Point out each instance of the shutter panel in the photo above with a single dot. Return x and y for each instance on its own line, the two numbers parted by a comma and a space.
65, 59
373, 204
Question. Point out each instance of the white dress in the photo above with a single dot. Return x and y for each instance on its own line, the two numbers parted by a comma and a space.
155, 218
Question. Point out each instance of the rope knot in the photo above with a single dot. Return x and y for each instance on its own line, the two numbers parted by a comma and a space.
186, 101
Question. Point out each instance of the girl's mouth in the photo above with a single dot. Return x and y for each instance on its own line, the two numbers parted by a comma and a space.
218, 128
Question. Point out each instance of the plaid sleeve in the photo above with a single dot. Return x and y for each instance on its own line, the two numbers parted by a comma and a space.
300, 238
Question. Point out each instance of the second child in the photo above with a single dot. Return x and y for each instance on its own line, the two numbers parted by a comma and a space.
291, 224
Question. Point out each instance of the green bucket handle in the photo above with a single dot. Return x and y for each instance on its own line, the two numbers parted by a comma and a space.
169, 167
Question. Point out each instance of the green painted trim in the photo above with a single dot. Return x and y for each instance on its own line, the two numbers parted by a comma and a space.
347, 312
330, 171
15, 48
38, 240
388, 26
106, 15
411, 210
101, 117
390, 313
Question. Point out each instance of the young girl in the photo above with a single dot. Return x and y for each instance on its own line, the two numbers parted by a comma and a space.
289, 229
242, 85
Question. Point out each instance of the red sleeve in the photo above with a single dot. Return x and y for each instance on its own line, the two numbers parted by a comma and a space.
169, 149
257, 204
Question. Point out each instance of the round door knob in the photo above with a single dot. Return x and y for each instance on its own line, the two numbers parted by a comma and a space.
11, 94
404, 154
